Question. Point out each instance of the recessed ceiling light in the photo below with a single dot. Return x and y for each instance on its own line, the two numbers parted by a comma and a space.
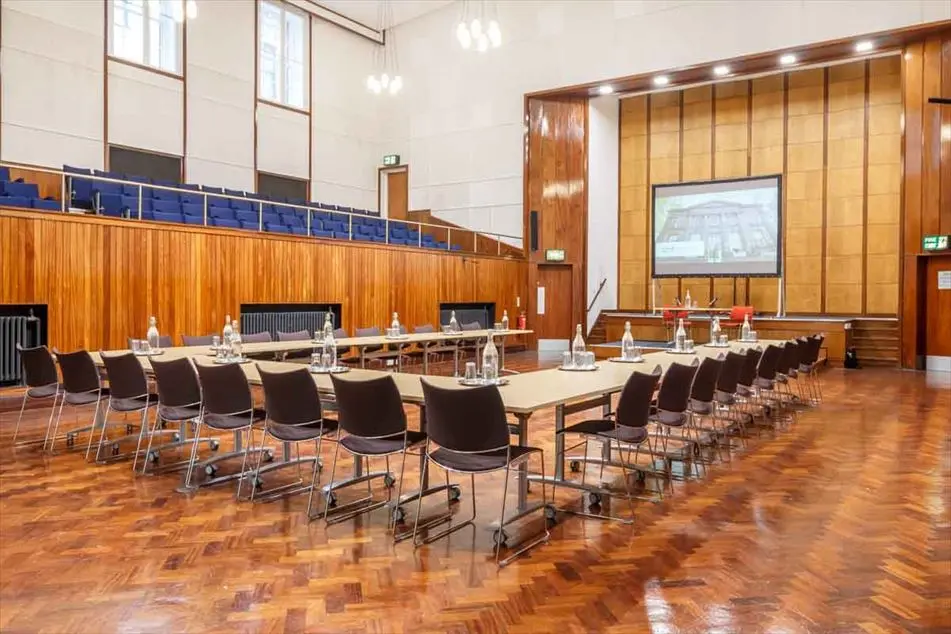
721, 71
787, 59
605, 89
661, 80
864, 46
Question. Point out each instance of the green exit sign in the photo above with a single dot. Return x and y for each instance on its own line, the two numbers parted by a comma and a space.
554, 255
391, 159
934, 243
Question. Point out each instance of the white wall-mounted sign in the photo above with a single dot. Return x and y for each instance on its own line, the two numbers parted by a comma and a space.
944, 280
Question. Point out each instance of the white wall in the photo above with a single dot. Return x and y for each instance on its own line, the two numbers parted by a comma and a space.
460, 122
603, 157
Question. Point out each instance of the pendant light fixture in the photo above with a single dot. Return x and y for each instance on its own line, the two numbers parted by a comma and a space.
478, 26
386, 78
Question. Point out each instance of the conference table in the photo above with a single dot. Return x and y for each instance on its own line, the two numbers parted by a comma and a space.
568, 392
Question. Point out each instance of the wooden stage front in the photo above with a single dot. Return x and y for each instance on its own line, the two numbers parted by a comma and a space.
650, 327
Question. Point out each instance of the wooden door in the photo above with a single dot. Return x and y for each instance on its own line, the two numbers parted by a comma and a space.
556, 322
397, 194
937, 309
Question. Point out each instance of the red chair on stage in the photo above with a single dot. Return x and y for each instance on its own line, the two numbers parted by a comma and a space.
737, 313
670, 321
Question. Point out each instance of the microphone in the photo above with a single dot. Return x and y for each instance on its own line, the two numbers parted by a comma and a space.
713, 301
676, 301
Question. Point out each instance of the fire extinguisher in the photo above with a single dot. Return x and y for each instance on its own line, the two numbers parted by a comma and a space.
522, 321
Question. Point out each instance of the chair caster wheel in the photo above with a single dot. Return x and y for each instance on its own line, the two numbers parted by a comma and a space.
268, 456
594, 499
176, 437
129, 428
211, 470
320, 465
258, 483
213, 445
70, 440
575, 466
641, 477
153, 457
455, 493
115, 450
331, 500
388, 481
551, 513
398, 515
499, 537
162, 425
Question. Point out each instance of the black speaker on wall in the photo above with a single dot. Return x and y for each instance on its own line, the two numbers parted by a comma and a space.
533, 230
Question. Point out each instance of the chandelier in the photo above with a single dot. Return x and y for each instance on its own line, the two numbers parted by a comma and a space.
479, 27
387, 78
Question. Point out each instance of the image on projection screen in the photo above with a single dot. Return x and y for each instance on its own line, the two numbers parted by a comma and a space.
717, 228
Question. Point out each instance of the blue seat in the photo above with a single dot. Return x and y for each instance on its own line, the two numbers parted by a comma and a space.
163, 194
398, 241
271, 219
159, 216
442, 244
192, 186
46, 204
234, 192
191, 209
320, 233
138, 179
166, 207
380, 239
196, 198
276, 228
456, 247
291, 220
19, 189
101, 188
222, 213
5, 173
230, 223
80, 188
240, 204
193, 220
218, 201
148, 215
213, 190
253, 226
341, 235
248, 217
298, 231
398, 233
14, 201
113, 205
132, 202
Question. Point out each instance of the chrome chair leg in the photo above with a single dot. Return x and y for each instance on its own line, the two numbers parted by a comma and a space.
20, 417
102, 432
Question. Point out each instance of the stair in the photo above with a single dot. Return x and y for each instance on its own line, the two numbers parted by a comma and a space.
876, 341
598, 333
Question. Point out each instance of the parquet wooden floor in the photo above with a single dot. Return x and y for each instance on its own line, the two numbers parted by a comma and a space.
840, 523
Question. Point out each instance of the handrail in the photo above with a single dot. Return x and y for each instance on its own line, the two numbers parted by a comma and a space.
256, 203
597, 293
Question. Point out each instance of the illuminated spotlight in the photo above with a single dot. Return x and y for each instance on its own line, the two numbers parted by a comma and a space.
606, 89
787, 59
864, 46
661, 80
721, 71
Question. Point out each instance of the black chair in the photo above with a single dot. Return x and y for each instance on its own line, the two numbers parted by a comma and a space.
765, 382
808, 367
469, 345
257, 337
672, 410
703, 403
165, 341
294, 415
376, 353
625, 428
745, 391
300, 335
42, 382
80, 386
227, 405
179, 401
725, 394
197, 340
371, 413
472, 432
432, 349
128, 393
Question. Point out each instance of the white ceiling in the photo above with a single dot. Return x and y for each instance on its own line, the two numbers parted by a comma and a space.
367, 11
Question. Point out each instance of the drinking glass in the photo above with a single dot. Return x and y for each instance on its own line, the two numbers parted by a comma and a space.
724, 340
325, 361
470, 371
145, 347
498, 325
589, 359
445, 330
315, 359
637, 352
134, 346
688, 345
215, 342
753, 335
566, 360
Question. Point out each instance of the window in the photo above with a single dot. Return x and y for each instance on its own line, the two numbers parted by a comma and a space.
159, 167
147, 32
282, 54
282, 187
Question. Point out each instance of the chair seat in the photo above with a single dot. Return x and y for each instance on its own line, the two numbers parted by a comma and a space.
297, 433
178, 414
44, 391
724, 398
744, 390
234, 421
701, 407
606, 429
381, 446
480, 462
765, 384
793, 373
674, 419
133, 404
85, 398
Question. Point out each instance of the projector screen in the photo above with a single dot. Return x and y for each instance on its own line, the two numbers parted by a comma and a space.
725, 228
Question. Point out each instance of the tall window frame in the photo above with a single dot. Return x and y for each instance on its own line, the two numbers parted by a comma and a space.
283, 51
146, 33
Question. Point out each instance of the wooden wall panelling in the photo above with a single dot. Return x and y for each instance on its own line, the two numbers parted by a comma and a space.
938, 307
696, 153
845, 189
883, 213
634, 198
665, 164
804, 190
945, 155
103, 278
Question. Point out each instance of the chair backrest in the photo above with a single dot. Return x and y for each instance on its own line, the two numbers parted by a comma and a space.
39, 368
79, 371
705, 382
768, 363
468, 420
737, 313
424, 329
126, 376
674, 394
197, 340
177, 383
300, 335
165, 341
372, 409
340, 333
372, 331
472, 325
750, 363
730, 372
634, 408
224, 389
790, 358
814, 345
668, 316
257, 337
291, 398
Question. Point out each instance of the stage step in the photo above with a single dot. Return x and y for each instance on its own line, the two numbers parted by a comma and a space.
876, 342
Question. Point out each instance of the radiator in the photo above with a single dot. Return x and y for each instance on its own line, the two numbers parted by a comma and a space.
13, 331
272, 322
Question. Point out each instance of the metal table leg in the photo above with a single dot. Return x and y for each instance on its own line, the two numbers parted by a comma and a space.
426, 346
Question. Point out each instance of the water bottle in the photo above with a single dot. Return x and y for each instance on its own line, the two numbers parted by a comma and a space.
745, 330
395, 326
628, 349
152, 334
715, 330
226, 332
577, 348
505, 320
328, 327
453, 324
687, 300
490, 361
330, 347
680, 340
235, 340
